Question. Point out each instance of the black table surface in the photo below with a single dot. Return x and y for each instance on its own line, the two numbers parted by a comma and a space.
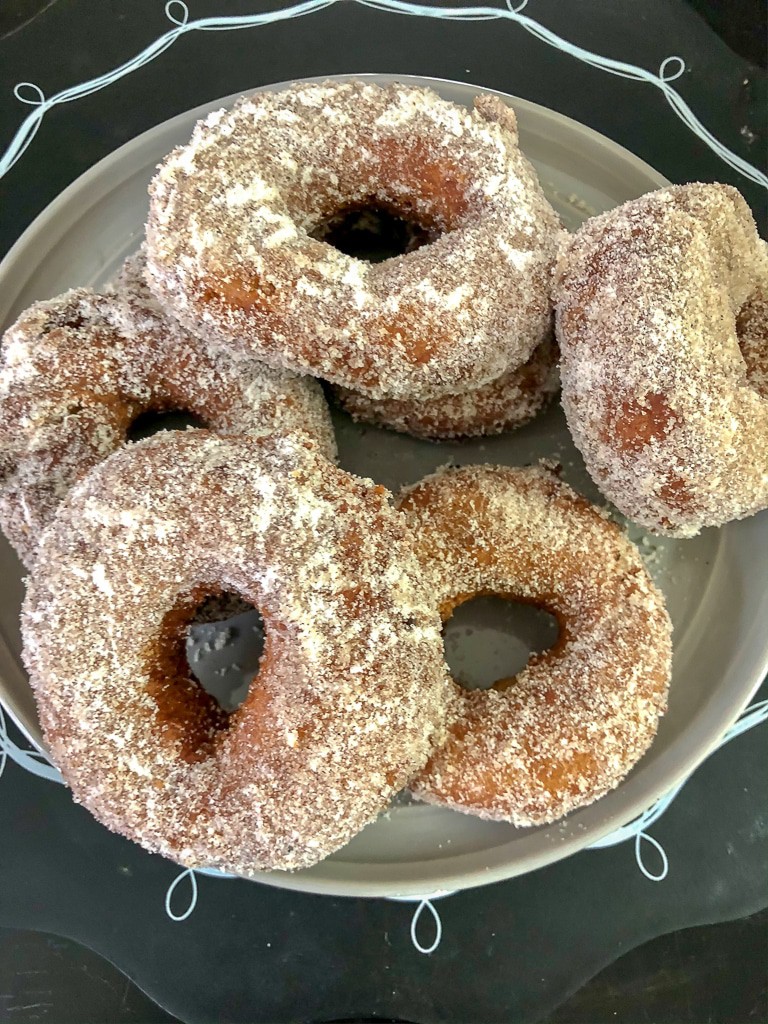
71, 894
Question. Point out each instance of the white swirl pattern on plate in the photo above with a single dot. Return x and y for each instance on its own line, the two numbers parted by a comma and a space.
177, 12
35, 762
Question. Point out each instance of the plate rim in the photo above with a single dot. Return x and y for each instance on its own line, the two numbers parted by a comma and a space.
442, 879
95, 171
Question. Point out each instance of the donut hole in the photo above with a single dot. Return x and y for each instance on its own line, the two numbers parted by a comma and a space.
153, 421
490, 639
374, 231
224, 645
209, 655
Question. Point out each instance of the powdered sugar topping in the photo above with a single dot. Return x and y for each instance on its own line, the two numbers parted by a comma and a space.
77, 369
662, 401
574, 721
351, 690
231, 252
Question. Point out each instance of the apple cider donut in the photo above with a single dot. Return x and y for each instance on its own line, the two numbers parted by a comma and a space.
77, 370
237, 217
350, 690
572, 723
496, 408
663, 331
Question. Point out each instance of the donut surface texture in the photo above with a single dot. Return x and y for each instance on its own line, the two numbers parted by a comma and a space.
233, 213
76, 371
495, 408
663, 329
572, 723
351, 687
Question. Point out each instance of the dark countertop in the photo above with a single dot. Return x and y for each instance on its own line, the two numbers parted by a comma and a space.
261, 955
696, 974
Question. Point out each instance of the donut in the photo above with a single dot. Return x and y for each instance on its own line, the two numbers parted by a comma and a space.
495, 408
237, 219
572, 723
283, 400
663, 328
76, 371
350, 692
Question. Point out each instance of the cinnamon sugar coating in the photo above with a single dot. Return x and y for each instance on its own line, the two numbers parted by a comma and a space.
231, 252
495, 408
570, 726
351, 689
78, 369
662, 321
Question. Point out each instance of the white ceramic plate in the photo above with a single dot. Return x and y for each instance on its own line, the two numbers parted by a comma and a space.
714, 584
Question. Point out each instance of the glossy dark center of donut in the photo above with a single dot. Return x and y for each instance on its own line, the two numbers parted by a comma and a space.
210, 654
153, 421
374, 232
490, 639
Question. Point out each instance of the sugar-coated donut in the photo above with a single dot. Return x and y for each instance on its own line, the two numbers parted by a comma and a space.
77, 370
351, 688
568, 727
276, 400
495, 408
663, 330
233, 213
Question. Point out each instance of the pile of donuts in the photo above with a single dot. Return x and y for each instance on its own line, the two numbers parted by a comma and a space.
234, 309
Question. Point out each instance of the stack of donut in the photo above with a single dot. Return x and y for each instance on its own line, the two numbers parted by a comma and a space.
236, 301
451, 339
